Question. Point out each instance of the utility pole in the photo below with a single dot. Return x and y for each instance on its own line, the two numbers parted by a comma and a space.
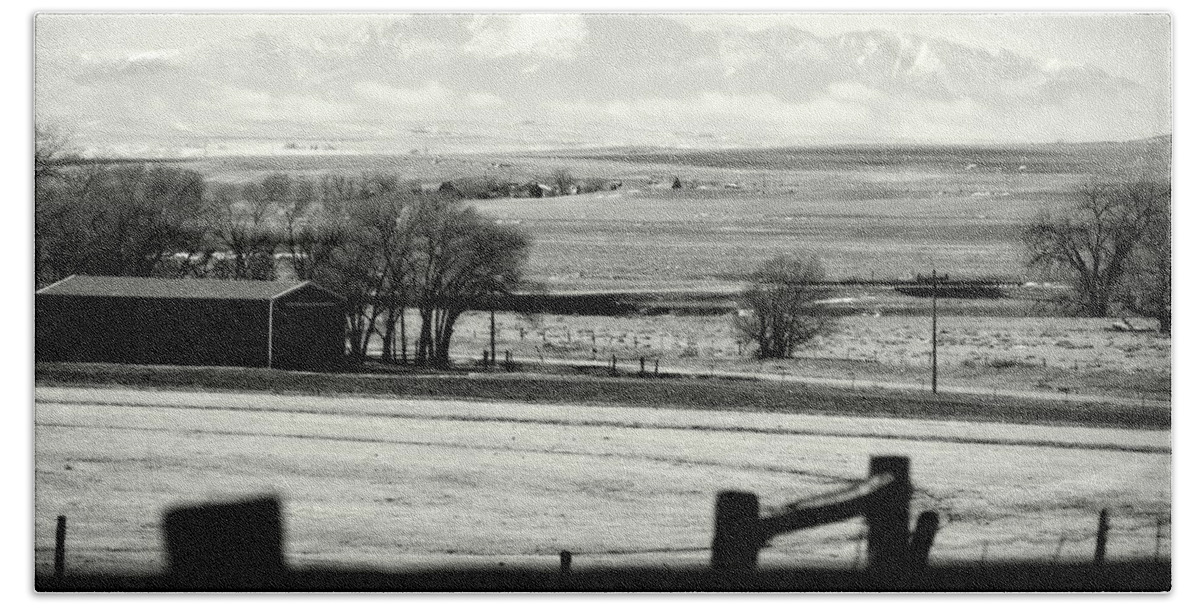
933, 382
493, 331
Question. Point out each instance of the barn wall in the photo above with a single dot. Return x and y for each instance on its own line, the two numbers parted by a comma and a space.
165, 331
309, 331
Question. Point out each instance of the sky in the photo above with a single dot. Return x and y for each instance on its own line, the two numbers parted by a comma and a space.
169, 84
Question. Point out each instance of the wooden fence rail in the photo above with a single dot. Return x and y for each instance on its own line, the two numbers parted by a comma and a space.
882, 499
239, 546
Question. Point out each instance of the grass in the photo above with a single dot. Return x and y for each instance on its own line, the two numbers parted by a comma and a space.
679, 393
373, 481
864, 217
984, 352
637, 239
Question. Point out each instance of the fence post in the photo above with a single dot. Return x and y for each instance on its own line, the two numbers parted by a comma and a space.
226, 546
1101, 537
612, 370
735, 532
641, 366
508, 360
564, 563
656, 368
60, 547
922, 540
887, 518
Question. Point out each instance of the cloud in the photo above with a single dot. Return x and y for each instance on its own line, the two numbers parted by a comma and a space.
654, 79
484, 100
853, 91
761, 118
533, 35
431, 95
244, 104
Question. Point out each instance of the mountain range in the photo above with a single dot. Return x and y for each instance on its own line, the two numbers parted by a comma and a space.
471, 82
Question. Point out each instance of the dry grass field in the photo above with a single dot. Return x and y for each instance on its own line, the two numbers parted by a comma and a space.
863, 224
1042, 354
874, 212
394, 482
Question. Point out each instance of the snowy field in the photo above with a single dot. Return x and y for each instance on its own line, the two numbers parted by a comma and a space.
395, 482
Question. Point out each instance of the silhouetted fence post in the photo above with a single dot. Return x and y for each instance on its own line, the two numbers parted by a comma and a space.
641, 366
508, 360
612, 370
922, 540
887, 518
882, 500
1101, 537
656, 368
735, 536
60, 547
564, 563
225, 546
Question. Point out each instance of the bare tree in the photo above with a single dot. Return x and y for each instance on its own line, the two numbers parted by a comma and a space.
348, 268
562, 180
783, 308
1091, 245
51, 148
247, 222
460, 260
385, 223
335, 190
1146, 289
117, 220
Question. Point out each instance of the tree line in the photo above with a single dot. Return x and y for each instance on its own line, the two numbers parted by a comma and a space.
371, 239
1112, 246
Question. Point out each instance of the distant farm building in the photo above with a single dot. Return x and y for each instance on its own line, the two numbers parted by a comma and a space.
290, 325
540, 190
447, 189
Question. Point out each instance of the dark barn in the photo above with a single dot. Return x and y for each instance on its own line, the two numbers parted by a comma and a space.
290, 325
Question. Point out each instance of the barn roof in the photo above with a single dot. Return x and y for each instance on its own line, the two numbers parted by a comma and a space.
148, 287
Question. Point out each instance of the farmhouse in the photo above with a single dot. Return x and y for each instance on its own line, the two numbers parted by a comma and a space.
291, 325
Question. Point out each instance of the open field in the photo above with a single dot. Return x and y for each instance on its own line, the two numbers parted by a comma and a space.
642, 236
868, 211
1042, 354
402, 481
